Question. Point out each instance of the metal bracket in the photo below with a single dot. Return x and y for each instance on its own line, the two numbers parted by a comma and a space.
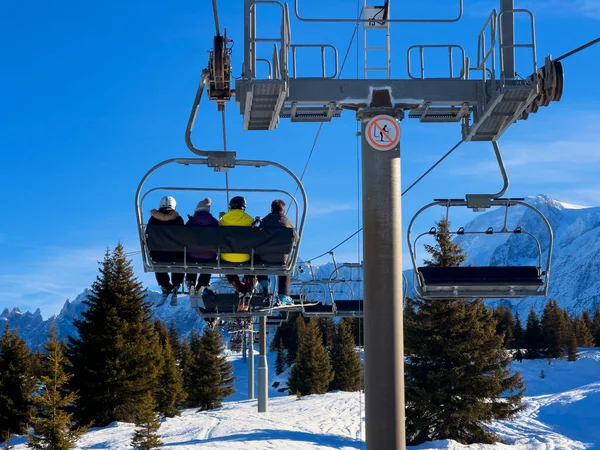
479, 202
221, 160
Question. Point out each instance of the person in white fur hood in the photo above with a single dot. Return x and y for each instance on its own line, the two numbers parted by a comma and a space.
166, 215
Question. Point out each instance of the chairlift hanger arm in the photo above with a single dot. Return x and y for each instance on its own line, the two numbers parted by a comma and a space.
367, 20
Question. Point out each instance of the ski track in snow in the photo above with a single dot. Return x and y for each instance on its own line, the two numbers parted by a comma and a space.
561, 414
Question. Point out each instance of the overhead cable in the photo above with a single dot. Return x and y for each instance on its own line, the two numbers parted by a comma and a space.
405, 191
578, 49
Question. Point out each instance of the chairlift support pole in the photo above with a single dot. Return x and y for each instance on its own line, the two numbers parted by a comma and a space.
263, 374
244, 347
382, 249
250, 342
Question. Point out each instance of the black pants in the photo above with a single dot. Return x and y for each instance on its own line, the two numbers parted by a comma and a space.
283, 283
203, 279
163, 279
234, 280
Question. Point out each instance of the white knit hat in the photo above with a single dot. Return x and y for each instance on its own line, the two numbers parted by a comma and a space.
204, 205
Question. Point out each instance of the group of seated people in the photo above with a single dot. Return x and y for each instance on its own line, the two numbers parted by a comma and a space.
198, 286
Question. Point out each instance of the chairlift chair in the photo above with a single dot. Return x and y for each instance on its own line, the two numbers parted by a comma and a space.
482, 281
181, 240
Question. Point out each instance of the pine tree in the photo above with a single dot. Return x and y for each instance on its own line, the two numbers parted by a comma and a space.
533, 336
311, 373
585, 316
506, 325
16, 383
209, 374
185, 365
458, 376
445, 253
146, 435
52, 427
288, 335
175, 341
345, 361
116, 357
518, 334
169, 393
596, 327
554, 330
280, 361
583, 334
571, 345
327, 326
358, 331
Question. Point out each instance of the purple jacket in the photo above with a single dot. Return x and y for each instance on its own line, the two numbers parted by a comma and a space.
202, 219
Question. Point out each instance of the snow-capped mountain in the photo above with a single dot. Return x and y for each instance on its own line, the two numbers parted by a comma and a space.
574, 280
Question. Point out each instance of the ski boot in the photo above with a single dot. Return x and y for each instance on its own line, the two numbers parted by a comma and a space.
191, 288
166, 290
174, 296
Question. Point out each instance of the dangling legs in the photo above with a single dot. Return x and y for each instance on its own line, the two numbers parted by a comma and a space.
163, 281
283, 290
177, 279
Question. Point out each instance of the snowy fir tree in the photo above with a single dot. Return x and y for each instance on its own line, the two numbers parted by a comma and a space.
52, 427
505, 325
327, 326
583, 332
169, 393
345, 361
458, 375
311, 373
175, 341
572, 353
146, 435
116, 358
554, 330
208, 373
16, 383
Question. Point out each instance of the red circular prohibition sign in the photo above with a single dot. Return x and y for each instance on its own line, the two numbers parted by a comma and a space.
378, 125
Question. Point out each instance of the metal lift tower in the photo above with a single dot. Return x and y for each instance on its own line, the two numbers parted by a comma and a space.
485, 106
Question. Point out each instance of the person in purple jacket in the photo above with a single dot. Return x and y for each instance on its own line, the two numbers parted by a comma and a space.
198, 286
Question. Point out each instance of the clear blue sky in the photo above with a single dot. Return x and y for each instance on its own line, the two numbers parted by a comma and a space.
96, 93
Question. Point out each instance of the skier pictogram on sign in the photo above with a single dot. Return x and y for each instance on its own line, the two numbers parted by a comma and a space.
383, 132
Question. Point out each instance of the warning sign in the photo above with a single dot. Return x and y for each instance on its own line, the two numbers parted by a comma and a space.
383, 132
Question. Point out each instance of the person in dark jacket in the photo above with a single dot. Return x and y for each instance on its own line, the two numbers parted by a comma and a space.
201, 218
166, 215
277, 219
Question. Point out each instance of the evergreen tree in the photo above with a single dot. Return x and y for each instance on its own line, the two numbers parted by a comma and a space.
175, 341
596, 327
458, 375
583, 333
445, 253
518, 333
311, 373
16, 383
185, 364
533, 336
288, 335
209, 373
345, 361
327, 326
116, 357
554, 330
280, 361
585, 316
169, 393
571, 345
506, 325
358, 331
146, 435
52, 427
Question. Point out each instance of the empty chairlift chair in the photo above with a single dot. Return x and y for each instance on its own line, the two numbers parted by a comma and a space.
515, 281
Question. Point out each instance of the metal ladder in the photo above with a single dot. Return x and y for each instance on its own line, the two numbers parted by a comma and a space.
379, 14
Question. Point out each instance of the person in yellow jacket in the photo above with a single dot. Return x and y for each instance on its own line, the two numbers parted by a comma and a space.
237, 217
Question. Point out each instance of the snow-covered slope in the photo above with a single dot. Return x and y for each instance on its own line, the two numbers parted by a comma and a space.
561, 414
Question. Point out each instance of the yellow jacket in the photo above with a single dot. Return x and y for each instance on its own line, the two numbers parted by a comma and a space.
236, 218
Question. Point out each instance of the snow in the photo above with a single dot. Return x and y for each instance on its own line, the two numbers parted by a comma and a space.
561, 413
572, 206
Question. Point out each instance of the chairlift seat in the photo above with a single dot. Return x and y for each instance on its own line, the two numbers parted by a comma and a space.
180, 240
349, 308
480, 281
225, 305
320, 310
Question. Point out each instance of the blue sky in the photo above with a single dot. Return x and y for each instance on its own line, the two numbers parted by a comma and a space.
94, 94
